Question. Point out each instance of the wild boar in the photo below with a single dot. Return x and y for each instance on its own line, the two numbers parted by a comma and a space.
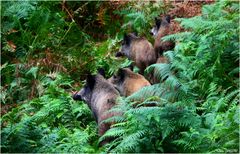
100, 95
128, 82
162, 28
139, 50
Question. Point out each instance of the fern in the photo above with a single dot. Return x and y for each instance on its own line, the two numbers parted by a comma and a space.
49, 123
196, 100
139, 19
194, 108
129, 143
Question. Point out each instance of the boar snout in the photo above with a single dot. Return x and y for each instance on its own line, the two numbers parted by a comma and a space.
77, 97
119, 54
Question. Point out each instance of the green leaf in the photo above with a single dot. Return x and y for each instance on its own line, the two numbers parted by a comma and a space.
33, 71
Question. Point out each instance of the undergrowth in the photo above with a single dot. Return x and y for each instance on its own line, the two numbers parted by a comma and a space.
48, 48
197, 105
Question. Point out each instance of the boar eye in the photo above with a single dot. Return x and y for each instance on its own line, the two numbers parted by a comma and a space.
114, 76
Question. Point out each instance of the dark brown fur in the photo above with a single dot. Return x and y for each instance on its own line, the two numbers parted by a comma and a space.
140, 51
101, 97
161, 46
142, 54
161, 59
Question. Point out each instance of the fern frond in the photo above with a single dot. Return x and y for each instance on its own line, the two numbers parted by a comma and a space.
130, 142
113, 132
114, 119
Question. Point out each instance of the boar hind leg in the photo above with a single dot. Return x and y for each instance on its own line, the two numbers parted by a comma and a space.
101, 130
141, 71
141, 66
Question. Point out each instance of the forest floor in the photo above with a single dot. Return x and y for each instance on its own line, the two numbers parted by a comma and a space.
186, 9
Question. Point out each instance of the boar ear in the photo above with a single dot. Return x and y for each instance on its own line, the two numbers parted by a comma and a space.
168, 18
91, 81
131, 67
121, 73
126, 39
135, 33
158, 22
102, 72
